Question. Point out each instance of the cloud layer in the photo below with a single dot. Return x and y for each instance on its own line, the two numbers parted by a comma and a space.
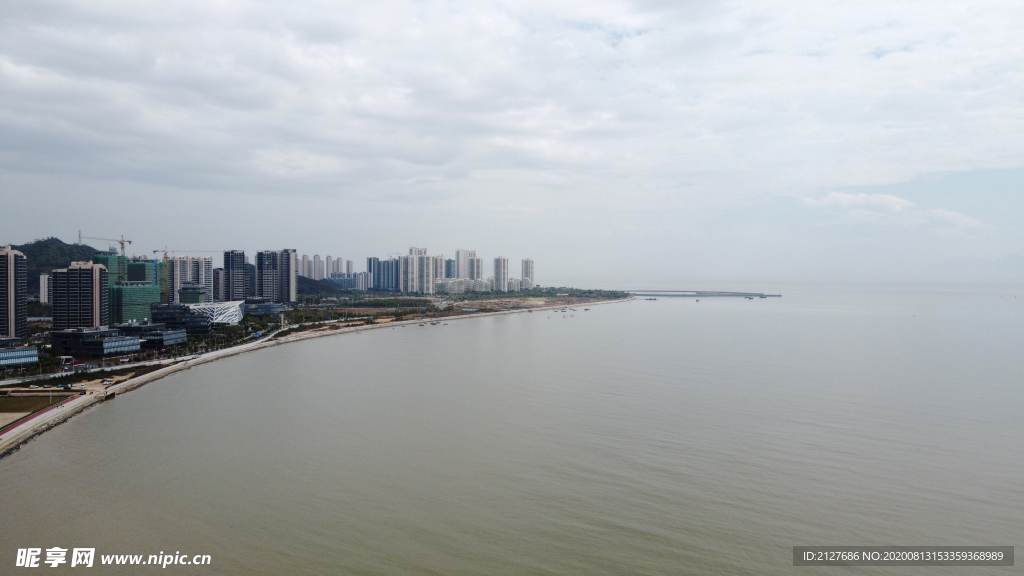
515, 114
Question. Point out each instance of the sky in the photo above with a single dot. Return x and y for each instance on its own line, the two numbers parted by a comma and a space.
618, 144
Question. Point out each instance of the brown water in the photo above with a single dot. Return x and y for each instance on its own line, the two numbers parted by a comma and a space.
667, 437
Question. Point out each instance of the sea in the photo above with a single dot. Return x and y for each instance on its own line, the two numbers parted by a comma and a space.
668, 436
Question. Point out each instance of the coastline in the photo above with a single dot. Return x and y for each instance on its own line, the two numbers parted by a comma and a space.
17, 436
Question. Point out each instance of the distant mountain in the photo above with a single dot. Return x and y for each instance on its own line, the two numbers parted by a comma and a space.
44, 255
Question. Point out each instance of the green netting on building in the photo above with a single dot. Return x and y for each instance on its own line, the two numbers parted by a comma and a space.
144, 271
115, 266
130, 303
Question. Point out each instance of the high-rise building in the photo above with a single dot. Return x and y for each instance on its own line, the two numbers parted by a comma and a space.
462, 258
287, 267
449, 268
373, 269
144, 270
416, 272
132, 285
348, 266
390, 274
268, 275
438, 264
219, 285
250, 279
328, 263
527, 274
201, 272
131, 301
236, 275
501, 274
275, 275
44, 288
306, 267
117, 266
179, 271
318, 267
81, 298
13, 293
475, 269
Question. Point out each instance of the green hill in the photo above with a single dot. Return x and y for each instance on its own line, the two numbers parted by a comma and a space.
309, 287
44, 255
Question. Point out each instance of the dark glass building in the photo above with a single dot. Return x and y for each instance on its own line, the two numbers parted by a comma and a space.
93, 342
236, 275
180, 317
80, 296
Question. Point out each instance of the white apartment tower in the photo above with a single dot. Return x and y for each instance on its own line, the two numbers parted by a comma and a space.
416, 272
44, 288
475, 268
178, 270
318, 267
200, 271
464, 264
527, 275
501, 274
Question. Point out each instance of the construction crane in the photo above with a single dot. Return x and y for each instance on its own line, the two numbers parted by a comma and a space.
122, 241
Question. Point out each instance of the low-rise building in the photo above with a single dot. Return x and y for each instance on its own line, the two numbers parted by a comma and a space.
102, 341
263, 307
13, 354
180, 317
225, 313
154, 336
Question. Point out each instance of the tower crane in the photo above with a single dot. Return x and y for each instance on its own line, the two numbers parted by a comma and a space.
122, 241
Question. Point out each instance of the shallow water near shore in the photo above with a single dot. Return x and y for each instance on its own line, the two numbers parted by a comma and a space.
648, 437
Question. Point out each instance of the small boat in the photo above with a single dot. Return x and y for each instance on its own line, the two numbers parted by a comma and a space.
586, 309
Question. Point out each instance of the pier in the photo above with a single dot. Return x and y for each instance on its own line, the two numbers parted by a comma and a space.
699, 294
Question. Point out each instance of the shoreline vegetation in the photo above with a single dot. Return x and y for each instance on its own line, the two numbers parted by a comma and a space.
106, 385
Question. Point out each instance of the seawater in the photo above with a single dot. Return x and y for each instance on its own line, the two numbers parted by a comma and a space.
648, 437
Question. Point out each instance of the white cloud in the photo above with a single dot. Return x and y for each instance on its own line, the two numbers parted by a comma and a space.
955, 219
862, 202
889, 209
516, 120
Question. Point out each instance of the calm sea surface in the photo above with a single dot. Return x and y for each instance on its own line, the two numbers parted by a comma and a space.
667, 437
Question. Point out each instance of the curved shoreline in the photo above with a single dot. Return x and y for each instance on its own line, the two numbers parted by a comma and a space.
13, 439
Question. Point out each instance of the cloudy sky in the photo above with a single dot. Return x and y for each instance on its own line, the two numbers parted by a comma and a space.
625, 144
